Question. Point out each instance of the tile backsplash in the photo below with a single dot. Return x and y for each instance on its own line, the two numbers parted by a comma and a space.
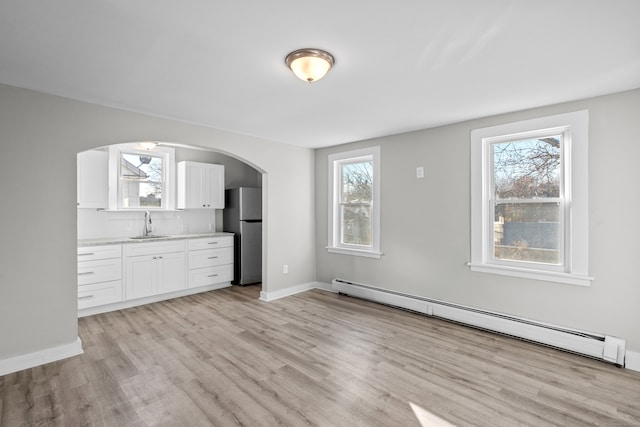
96, 224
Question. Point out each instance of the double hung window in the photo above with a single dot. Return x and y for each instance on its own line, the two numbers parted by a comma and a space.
526, 200
529, 199
140, 179
354, 178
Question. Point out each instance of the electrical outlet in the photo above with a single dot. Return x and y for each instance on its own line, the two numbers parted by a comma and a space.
420, 172
285, 269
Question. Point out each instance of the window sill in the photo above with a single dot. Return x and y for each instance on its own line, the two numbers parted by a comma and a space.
357, 252
549, 276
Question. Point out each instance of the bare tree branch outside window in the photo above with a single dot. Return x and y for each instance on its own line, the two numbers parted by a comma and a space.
526, 191
356, 202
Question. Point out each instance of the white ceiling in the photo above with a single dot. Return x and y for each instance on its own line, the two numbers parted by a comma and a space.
400, 65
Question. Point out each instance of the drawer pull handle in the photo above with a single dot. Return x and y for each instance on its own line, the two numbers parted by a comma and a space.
86, 273
86, 254
213, 243
86, 297
213, 257
212, 275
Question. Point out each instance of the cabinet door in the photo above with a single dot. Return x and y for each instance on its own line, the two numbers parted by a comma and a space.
171, 272
93, 179
196, 175
200, 185
191, 177
141, 276
214, 187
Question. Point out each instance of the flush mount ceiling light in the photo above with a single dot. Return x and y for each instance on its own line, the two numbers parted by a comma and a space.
309, 64
150, 145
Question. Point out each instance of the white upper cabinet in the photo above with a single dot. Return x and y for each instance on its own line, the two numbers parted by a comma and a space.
200, 185
93, 179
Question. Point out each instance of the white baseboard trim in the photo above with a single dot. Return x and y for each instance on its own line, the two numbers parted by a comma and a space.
148, 300
40, 357
292, 290
632, 360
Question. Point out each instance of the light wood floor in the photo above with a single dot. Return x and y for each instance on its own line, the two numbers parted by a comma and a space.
225, 358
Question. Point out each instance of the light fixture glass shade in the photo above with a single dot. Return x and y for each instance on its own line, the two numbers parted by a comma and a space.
310, 65
150, 145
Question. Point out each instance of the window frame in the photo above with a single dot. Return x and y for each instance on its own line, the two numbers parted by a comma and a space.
573, 198
167, 154
335, 229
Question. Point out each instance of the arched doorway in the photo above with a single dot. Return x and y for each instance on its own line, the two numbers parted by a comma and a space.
96, 223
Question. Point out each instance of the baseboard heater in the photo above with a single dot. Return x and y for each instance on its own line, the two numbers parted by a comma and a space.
603, 347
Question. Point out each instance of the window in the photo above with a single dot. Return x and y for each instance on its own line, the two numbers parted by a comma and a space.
529, 199
140, 179
354, 208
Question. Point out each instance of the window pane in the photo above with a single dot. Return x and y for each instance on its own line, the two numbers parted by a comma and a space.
357, 182
140, 181
527, 232
356, 224
527, 168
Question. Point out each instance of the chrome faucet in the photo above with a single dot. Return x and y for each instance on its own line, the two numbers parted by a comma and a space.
147, 224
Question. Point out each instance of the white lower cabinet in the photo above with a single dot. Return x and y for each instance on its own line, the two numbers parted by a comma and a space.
151, 269
172, 273
99, 275
210, 261
154, 268
210, 276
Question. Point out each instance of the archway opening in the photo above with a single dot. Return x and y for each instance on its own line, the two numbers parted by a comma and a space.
97, 222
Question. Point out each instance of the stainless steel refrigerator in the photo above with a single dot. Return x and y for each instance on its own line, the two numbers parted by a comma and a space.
242, 215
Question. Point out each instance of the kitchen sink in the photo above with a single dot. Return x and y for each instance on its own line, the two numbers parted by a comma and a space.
151, 236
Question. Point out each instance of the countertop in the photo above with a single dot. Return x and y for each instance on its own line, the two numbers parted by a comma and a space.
127, 240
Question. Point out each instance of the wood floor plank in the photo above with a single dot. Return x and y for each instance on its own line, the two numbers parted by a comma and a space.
225, 358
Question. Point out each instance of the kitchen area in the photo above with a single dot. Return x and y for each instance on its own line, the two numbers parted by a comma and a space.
157, 221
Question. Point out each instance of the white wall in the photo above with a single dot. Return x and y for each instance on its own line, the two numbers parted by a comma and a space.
425, 224
40, 136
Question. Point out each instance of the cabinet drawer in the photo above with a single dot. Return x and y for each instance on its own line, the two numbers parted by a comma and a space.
210, 257
210, 242
91, 253
99, 294
99, 271
210, 275
135, 249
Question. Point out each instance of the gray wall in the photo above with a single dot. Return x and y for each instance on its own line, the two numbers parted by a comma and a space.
40, 136
425, 223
